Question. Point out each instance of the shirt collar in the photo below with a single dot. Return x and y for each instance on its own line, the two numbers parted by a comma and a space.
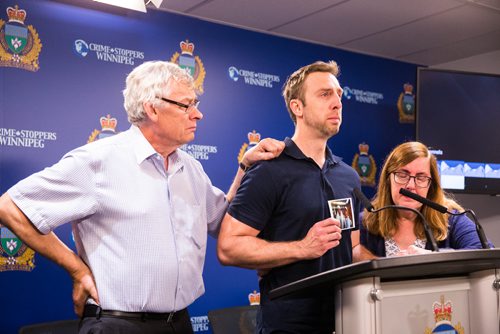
294, 151
143, 151
141, 146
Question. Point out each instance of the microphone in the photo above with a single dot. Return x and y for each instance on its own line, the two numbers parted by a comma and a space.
368, 206
442, 209
365, 201
423, 200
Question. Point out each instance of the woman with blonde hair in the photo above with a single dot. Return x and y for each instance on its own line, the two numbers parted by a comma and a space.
394, 232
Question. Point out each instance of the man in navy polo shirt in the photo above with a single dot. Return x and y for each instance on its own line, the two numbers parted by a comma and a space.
279, 222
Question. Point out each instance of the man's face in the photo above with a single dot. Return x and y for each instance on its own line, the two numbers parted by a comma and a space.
176, 125
323, 107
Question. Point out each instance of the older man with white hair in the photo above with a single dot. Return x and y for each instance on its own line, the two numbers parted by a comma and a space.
140, 209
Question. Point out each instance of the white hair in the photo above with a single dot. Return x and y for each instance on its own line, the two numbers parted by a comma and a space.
149, 81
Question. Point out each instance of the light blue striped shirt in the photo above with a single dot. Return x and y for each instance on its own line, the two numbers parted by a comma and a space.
142, 230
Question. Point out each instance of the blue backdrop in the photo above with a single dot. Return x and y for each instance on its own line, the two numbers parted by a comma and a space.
52, 101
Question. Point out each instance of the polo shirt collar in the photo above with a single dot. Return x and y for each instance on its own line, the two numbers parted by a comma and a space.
294, 151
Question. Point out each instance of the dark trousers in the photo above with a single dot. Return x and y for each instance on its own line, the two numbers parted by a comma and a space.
96, 321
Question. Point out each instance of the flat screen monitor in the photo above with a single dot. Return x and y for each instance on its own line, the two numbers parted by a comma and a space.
458, 117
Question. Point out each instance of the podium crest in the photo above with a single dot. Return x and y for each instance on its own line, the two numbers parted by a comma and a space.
442, 316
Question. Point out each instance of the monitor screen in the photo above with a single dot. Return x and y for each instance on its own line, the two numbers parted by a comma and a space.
458, 117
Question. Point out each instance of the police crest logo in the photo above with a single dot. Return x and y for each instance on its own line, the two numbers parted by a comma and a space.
406, 105
254, 298
14, 254
365, 165
192, 63
108, 129
253, 139
442, 317
20, 45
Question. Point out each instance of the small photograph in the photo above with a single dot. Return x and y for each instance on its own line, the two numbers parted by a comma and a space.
341, 209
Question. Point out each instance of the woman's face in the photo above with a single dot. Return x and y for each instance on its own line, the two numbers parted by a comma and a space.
419, 168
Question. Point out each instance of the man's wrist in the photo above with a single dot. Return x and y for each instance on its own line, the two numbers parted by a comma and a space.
244, 167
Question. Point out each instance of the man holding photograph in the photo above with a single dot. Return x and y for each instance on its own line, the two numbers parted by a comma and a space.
279, 221
342, 210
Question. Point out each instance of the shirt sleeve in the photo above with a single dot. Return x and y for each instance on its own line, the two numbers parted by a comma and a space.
374, 243
364, 236
58, 194
463, 233
216, 207
256, 197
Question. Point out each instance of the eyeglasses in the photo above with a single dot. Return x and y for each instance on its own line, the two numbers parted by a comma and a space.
187, 107
421, 181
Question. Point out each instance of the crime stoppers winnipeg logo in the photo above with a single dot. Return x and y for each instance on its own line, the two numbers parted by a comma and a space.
20, 45
362, 96
25, 138
81, 48
252, 78
106, 53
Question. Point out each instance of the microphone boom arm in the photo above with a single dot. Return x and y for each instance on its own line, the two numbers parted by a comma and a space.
368, 205
479, 229
427, 230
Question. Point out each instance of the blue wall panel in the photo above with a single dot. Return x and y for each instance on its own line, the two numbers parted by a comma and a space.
69, 93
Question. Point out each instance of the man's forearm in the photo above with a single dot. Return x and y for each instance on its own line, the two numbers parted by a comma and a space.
234, 186
255, 253
239, 245
48, 245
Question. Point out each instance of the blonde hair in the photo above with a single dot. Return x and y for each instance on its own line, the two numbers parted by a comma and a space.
383, 223
294, 85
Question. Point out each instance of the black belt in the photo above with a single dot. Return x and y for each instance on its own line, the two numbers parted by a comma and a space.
94, 311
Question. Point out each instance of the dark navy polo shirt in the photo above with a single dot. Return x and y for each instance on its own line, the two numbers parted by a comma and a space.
284, 197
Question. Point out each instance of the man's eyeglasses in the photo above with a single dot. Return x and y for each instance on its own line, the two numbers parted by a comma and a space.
421, 181
187, 107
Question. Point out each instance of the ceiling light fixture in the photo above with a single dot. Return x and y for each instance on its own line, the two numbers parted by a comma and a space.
157, 3
128, 4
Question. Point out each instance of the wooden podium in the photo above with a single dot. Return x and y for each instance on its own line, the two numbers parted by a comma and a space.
443, 292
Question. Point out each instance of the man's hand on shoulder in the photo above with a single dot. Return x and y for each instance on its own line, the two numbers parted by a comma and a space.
266, 149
